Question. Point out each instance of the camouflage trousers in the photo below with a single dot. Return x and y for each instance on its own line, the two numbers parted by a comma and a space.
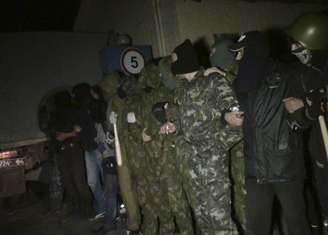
237, 163
206, 182
163, 203
157, 216
132, 166
178, 201
152, 194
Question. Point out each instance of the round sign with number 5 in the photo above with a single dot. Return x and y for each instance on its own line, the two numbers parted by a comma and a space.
132, 60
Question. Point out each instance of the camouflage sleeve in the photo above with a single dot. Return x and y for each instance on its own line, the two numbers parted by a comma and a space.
228, 136
152, 125
174, 106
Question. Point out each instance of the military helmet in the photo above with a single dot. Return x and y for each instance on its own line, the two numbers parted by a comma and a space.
311, 30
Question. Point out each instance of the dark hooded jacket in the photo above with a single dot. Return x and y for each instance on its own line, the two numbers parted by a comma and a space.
273, 150
85, 116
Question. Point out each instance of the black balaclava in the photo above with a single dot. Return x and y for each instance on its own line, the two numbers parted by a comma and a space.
82, 94
62, 99
187, 61
159, 112
99, 106
319, 60
254, 63
63, 112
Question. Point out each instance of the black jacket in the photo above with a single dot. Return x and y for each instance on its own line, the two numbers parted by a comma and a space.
88, 129
274, 152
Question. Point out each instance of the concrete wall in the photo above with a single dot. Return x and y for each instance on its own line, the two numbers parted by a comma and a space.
137, 18
32, 64
196, 20
166, 23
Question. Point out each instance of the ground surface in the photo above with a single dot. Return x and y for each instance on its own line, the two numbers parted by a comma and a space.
32, 218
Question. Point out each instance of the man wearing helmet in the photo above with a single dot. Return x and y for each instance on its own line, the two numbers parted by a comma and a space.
309, 34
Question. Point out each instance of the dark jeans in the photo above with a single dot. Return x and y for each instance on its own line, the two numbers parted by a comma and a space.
111, 193
93, 162
259, 202
72, 167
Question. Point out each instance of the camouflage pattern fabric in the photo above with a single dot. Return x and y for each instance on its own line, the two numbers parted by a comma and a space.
127, 185
203, 150
135, 153
237, 163
156, 211
177, 197
109, 85
165, 192
237, 168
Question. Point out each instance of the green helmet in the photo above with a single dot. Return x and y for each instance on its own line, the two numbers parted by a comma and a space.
311, 30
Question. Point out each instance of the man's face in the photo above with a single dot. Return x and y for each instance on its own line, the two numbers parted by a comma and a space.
302, 53
174, 57
240, 54
213, 50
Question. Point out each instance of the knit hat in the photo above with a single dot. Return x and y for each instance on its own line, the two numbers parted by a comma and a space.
187, 61
220, 55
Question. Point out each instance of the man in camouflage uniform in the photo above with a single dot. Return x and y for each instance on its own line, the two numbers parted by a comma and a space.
165, 197
204, 100
223, 59
133, 146
177, 196
117, 94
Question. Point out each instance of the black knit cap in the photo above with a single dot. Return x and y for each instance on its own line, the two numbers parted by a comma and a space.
187, 61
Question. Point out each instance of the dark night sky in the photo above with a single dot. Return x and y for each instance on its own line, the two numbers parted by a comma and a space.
38, 15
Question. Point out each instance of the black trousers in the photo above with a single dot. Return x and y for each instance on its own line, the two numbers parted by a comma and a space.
319, 167
259, 202
72, 167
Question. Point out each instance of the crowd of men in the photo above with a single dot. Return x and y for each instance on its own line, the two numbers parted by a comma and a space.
206, 150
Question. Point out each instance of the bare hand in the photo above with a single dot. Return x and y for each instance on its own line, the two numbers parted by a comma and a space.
168, 128
234, 119
214, 70
292, 104
94, 94
145, 137
60, 136
77, 129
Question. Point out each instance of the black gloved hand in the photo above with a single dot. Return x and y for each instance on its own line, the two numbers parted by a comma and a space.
315, 102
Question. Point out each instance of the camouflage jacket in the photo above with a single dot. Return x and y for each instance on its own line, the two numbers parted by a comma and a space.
201, 104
